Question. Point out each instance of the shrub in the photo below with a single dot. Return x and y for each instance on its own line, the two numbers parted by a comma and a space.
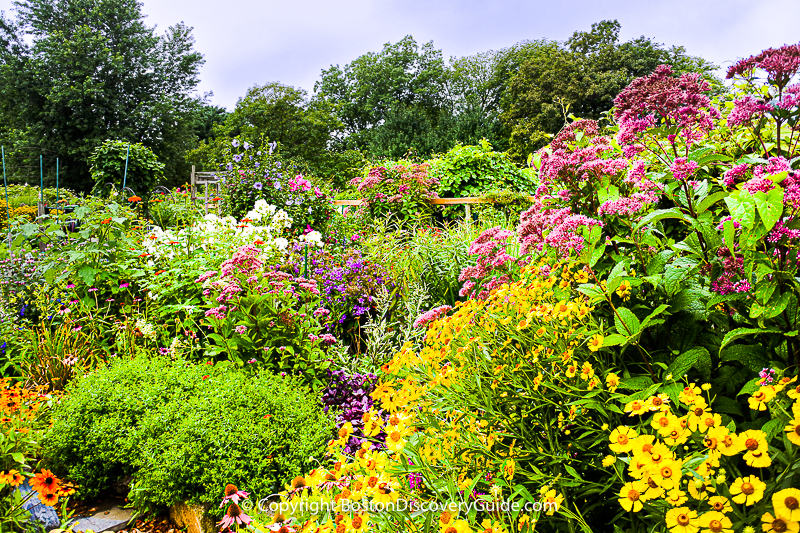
251, 175
107, 165
183, 431
398, 189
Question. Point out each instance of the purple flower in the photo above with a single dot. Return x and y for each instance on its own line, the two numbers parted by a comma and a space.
278, 185
235, 143
237, 157
258, 185
93, 289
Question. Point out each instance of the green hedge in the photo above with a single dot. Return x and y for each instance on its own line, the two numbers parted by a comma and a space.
184, 430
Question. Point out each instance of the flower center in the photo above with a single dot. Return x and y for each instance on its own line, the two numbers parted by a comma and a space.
698, 411
357, 521
748, 489
751, 444
791, 503
715, 525
395, 436
683, 519
718, 506
779, 526
633, 495
622, 439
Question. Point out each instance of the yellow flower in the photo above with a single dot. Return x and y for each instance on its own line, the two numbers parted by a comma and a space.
689, 394
747, 490
668, 474
636, 407
659, 402
699, 489
754, 440
759, 400
720, 504
612, 382
682, 520
716, 522
794, 393
676, 497
757, 459
624, 289
630, 496
622, 439
787, 503
587, 371
778, 524
458, 526
609, 460
551, 502
596, 342
793, 431
572, 370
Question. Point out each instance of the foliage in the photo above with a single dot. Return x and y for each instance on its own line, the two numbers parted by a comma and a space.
468, 170
111, 160
183, 431
253, 174
93, 72
401, 190
265, 318
173, 208
348, 395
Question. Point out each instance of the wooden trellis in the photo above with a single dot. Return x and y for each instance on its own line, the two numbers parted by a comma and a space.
466, 202
206, 180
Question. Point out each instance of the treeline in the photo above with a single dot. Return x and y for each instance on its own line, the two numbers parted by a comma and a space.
74, 73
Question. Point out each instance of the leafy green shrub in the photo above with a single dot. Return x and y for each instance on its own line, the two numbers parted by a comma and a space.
470, 170
107, 165
398, 189
183, 431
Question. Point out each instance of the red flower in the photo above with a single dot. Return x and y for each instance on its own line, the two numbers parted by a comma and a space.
160, 272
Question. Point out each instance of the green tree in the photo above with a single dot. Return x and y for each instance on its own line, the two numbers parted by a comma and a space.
581, 77
93, 70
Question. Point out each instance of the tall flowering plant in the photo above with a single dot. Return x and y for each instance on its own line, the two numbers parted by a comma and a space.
400, 189
264, 318
253, 174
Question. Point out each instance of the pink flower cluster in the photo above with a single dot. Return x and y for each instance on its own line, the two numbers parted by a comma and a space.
557, 228
745, 109
490, 247
730, 280
429, 316
736, 173
683, 169
779, 63
755, 185
568, 134
299, 183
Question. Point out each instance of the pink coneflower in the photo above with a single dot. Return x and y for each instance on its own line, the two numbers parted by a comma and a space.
70, 285
123, 285
234, 516
64, 310
232, 493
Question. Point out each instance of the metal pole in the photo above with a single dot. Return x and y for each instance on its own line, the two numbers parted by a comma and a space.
41, 187
5, 185
57, 197
125, 178
306, 263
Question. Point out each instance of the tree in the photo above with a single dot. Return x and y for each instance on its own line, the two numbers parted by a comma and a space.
93, 70
581, 77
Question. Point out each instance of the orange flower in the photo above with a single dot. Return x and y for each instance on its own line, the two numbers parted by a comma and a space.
48, 498
45, 482
134, 199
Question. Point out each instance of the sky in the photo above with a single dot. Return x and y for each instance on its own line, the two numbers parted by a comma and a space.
249, 42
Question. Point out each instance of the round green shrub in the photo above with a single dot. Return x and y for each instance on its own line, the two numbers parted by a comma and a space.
183, 431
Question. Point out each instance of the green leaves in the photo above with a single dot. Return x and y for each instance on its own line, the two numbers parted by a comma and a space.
698, 358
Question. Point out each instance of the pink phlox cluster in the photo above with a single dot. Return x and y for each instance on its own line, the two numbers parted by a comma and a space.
490, 247
755, 185
775, 165
205, 276
557, 228
567, 135
217, 312
738, 172
791, 97
680, 102
572, 166
683, 169
745, 109
327, 339
228, 292
730, 280
791, 191
779, 63
244, 261
623, 206
373, 178
429, 316
780, 233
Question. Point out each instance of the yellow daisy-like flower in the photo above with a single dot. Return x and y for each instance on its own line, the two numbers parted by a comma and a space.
458, 526
689, 394
622, 439
757, 459
716, 522
609, 460
778, 524
587, 371
630, 496
572, 370
754, 440
794, 393
668, 474
596, 342
664, 423
612, 382
551, 502
700, 490
759, 400
676, 497
720, 504
787, 503
793, 431
747, 490
682, 520
636, 407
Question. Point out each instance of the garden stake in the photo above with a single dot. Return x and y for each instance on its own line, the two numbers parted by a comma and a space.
125, 178
306, 263
41, 183
5, 185
57, 198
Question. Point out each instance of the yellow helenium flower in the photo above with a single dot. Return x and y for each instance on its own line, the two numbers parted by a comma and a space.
622, 439
636, 407
759, 400
612, 382
682, 520
720, 504
609, 460
596, 342
630, 496
778, 524
793, 431
787, 503
689, 394
676, 497
747, 490
716, 522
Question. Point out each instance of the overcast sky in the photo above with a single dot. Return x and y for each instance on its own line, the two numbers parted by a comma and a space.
248, 42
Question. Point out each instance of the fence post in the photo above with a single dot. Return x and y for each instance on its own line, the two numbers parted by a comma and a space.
193, 185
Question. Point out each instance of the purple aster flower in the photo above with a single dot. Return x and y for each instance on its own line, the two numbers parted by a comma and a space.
237, 157
235, 143
257, 185
278, 185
